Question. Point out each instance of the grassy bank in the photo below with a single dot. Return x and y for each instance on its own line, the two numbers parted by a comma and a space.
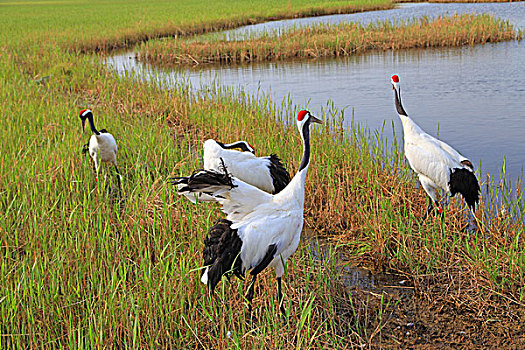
84, 268
334, 41
99, 25
456, 1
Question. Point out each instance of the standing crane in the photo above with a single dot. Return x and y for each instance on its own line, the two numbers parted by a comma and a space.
102, 146
437, 165
261, 230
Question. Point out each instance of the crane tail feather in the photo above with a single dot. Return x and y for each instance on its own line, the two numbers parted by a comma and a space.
207, 182
464, 181
221, 253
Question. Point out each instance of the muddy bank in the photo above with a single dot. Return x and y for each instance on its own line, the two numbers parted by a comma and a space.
443, 310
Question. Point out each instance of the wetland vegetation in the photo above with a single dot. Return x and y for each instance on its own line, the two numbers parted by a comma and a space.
84, 268
334, 41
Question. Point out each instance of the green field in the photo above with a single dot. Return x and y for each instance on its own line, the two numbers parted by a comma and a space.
82, 267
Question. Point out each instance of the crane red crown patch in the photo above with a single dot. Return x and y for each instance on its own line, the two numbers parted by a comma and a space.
82, 111
395, 78
301, 115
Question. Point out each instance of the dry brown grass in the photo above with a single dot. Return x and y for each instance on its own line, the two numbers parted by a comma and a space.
334, 41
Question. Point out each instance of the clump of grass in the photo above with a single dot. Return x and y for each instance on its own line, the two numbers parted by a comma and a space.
334, 41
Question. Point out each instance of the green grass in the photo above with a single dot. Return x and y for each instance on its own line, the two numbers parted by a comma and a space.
457, 1
99, 24
83, 268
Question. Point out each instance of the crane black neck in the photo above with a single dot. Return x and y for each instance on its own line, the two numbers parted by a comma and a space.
92, 124
399, 105
239, 144
306, 145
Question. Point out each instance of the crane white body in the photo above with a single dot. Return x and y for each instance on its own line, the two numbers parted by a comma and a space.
266, 173
262, 220
438, 165
429, 157
282, 222
102, 146
242, 165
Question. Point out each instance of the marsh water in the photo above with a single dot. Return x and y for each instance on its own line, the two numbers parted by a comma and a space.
335, 261
472, 97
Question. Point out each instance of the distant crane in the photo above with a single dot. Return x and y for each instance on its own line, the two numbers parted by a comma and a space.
102, 146
261, 230
437, 165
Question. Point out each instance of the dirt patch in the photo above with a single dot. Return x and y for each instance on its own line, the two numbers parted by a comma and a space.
434, 321
445, 310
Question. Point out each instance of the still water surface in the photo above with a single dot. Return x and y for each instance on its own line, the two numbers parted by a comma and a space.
474, 96
514, 12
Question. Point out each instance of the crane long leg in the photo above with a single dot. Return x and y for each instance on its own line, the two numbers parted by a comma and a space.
432, 211
249, 295
473, 222
441, 212
118, 177
96, 168
280, 296
429, 208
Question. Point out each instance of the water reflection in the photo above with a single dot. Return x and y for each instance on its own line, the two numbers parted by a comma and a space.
354, 278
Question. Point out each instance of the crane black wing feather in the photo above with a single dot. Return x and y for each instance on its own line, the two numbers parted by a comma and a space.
268, 257
279, 174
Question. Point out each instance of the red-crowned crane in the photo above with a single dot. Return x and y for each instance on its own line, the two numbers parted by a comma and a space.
437, 165
265, 173
261, 230
102, 146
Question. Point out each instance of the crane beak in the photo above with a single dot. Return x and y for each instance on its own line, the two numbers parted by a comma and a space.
316, 120
83, 124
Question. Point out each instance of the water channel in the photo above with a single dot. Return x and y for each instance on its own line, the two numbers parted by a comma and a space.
474, 97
